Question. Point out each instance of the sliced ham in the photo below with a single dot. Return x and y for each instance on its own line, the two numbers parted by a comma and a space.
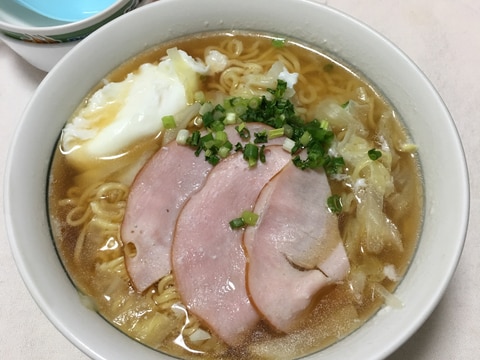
295, 249
157, 196
207, 255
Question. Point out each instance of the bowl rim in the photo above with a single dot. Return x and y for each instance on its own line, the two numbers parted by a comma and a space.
86, 343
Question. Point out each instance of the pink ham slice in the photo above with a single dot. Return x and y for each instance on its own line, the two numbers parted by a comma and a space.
155, 200
295, 249
207, 255
157, 196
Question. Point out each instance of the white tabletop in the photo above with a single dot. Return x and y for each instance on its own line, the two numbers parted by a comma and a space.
443, 38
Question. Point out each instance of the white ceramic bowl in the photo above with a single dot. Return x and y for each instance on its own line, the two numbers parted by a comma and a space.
42, 41
42, 56
446, 211
26, 25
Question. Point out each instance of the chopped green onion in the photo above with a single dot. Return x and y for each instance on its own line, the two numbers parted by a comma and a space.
374, 154
209, 153
261, 154
333, 165
275, 133
208, 118
213, 119
221, 137
254, 103
249, 217
207, 140
224, 151
237, 223
239, 110
279, 92
182, 136
288, 145
250, 153
238, 147
287, 130
312, 137
305, 138
213, 159
236, 105
194, 139
278, 43
168, 122
217, 125
261, 137
230, 118
228, 145
334, 203
243, 131
324, 124
208, 144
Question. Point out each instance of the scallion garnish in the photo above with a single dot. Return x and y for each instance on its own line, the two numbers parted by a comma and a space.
182, 136
224, 151
313, 138
250, 153
261, 137
248, 218
261, 154
278, 43
194, 139
214, 144
324, 124
243, 131
334, 203
237, 223
230, 118
374, 154
238, 147
334, 165
168, 122
305, 138
221, 137
207, 140
288, 145
275, 133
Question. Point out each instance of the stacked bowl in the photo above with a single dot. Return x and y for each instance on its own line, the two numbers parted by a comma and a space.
42, 40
